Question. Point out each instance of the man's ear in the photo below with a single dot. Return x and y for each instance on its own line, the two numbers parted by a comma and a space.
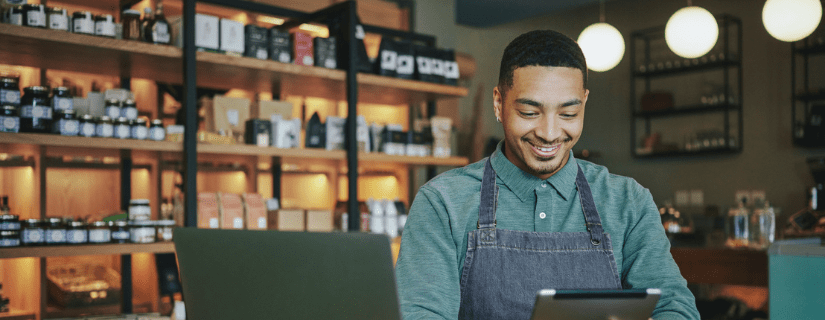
498, 102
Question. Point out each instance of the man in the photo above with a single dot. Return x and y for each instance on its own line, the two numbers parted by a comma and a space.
481, 240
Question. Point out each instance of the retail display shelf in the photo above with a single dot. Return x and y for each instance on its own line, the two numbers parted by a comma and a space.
679, 153
55, 140
85, 250
252, 150
17, 315
380, 157
812, 96
811, 49
35, 47
699, 66
694, 109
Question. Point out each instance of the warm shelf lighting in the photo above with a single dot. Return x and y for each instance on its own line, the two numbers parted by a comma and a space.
691, 32
603, 46
271, 20
791, 20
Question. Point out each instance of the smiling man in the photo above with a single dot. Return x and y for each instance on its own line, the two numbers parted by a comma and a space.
481, 240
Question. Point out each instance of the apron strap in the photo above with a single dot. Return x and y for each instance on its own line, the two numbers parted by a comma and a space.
489, 198
591, 215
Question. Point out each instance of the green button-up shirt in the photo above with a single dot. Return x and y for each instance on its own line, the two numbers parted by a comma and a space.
445, 209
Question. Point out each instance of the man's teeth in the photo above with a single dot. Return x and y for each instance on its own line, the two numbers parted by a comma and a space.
545, 149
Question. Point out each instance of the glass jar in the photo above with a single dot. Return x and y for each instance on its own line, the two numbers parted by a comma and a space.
9, 121
9, 238
33, 232
99, 232
9, 91
104, 127
67, 124
129, 110
156, 131
87, 126
142, 231
122, 128
58, 19
83, 22
139, 209
139, 129
34, 15
35, 110
105, 25
121, 233
62, 99
131, 24
76, 233
164, 228
9, 222
15, 15
55, 231
112, 108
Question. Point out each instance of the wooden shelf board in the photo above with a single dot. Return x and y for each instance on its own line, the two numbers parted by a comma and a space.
252, 150
84, 142
380, 157
85, 250
17, 315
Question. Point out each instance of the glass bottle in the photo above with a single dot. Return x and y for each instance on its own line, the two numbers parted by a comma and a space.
738, 233
764, 225
157, 29
148, 17
4, 209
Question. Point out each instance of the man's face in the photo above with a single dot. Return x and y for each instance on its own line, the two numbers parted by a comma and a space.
542, 114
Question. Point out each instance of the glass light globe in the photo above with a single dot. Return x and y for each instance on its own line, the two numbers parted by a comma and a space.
791, 20
603, 46
691, 32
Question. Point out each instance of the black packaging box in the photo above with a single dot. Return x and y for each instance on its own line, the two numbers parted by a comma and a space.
339, 31
279, 45
256, 42
425, 64
405, 68
258, 132
450, 67
387, 60
316, 132
325, 52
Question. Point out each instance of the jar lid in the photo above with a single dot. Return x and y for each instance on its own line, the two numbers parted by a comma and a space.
10, 233
37, 89
140, 121
81, 14
32, 6
139, 202
142, 223
112, 102
57, 10
165, 223
129, 102
157, 122
77, 224
131, 12
60, 89
54, 220
104, 119
33, 222
87, 117
121, 120
119, 223
100, 224
8, 79
104, 17
9, 217
9, 107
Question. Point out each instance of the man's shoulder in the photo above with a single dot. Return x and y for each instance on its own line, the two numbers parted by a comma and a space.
459, 179
600, 177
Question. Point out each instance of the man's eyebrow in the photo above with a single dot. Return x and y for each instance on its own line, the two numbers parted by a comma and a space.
529, 102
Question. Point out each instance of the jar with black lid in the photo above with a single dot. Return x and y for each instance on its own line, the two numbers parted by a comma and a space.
83, 22
112, 108
9, 222
55, 231
87, 126
76, 233
9, 121
139, 129
156, 131
131, 24
9, 238
165, 228
35, 110
120, 231
99, 232
129, 110
33, 232
62, 99
15, 15
58, 19
143, 231
67, 124
104, 128
10, 91
105, 25
34, 15
122, 128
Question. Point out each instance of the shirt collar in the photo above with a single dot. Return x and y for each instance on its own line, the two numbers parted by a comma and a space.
523, 184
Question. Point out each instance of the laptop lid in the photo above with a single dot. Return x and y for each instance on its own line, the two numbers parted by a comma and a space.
245, 274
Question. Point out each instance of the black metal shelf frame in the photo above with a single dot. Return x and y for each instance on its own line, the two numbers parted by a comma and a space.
804, 95
731, 65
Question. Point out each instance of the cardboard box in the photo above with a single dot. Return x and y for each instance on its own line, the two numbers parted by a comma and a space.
325, 52
265, 109
335, 133
207, 32
254, 211
208, 215
286, 220
258, 132
227, 116
279, 46
256, 42
285, 133
231, 211
319, 221
302, 48
232, 37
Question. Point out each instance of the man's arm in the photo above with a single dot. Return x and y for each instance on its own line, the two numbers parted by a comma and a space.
427, 270
647, 263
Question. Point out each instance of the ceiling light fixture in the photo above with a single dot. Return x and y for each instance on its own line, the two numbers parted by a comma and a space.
691, 32
791, 20
602, 44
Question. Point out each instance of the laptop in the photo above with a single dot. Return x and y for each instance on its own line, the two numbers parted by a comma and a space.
245, 274
629, 304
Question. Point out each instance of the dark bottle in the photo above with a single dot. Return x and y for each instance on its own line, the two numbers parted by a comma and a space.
148, 17
4, 209
157, 30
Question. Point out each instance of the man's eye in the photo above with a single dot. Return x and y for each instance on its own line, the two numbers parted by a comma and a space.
528, 114
569, 115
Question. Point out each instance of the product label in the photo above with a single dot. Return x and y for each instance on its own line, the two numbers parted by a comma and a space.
261, 54
63, 104
284, 57
10, 226
140, 132
437, 67
104, 130
424, 65
161, 33
55, 236
59, 22
237, 223
451, 70
99, 236
84, 25
76, 236
405, 65
36, 18
261, 223
16, 18
87, 129
213, 223
105, 28
129, 113
33, 235
122, 131
9, 97
308, 61
143, 235
389, 60
120, 235
37, 112
157, 134
233, 117
69, 127
263, 140
113, 112
10, 124
10, 243
330, 63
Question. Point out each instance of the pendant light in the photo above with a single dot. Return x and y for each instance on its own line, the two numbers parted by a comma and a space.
791, 20
691, 32
602, 44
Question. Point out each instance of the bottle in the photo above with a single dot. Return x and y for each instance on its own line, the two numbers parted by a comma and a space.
157, 30
764, 225
148, 19
4, 209
391, 218
377, 217
738, 233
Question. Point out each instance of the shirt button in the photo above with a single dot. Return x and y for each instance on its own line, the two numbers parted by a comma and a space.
544, 185
542, 215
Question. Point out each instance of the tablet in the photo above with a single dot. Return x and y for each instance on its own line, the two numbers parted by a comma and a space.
630, 304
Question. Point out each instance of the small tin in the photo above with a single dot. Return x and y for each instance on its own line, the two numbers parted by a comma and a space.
139, 129
104, 127
120, 231
76, 233
83, 22
9, 222
15, 15
9, 238
10, 91
58, 19
105, 25
164, 229
142, 231
67, 124
55, 231
112, 108
34, 15
62, 99
156, 131
122, 128
33, 232
9, 121
99, 232
87, 126
129, 110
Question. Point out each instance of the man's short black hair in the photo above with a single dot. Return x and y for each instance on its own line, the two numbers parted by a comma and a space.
545, 48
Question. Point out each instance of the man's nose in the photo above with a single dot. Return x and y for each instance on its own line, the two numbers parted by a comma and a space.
548, 129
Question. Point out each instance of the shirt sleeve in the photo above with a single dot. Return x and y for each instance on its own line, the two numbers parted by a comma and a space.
648, 263
427, 267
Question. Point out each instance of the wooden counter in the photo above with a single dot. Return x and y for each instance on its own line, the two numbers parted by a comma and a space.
723, 265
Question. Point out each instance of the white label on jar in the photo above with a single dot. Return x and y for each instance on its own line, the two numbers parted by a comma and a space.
157, 134
261, 54
11, 124
237, 223
104, 130
143, 234
213, 223
16, 18
76, 236
162, 33
261, 223
140, 132
232, 116
120, 235
330, 64
113, 112
10, 243
122, 132
38, 112
55, 236
105, 28
36, 18
84, 25
87, 129
58, 21
68, 127
99, 235
129, 113
9, 96
33, 235
63, 104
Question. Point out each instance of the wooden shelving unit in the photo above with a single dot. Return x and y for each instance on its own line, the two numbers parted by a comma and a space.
85, 250
17, 315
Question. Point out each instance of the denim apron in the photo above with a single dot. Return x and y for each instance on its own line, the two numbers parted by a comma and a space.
504, 269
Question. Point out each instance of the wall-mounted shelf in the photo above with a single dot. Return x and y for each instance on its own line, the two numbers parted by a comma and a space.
693, 109
695, 66
85, 250
17, 315
671, 154
809, 95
